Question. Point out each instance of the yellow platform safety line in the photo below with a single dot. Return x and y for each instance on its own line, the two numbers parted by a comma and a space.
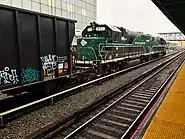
169, 121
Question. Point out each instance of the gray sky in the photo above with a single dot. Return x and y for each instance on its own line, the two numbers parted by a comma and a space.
136, 15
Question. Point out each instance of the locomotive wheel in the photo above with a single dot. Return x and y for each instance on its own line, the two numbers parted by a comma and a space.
114, 67
164, 53
149, 58
49, 87
102, 69
117, 66
125, 64
143, 59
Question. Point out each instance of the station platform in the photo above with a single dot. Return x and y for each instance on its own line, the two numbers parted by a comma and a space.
169, 120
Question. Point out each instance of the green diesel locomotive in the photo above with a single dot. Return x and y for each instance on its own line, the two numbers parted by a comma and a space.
109, 48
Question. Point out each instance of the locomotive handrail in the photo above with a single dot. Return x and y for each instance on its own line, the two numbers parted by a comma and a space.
74, 88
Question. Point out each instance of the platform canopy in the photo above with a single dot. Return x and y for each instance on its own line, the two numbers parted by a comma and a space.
174, 10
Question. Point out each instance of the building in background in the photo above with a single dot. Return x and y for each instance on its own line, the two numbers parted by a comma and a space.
84, 11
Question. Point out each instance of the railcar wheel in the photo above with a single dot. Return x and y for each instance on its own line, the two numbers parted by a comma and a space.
49, 87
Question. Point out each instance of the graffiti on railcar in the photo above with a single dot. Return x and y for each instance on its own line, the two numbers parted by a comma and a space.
49, 61
30, 75
8, 76
49, 65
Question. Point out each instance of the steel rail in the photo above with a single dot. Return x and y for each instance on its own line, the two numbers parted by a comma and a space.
3, 114
76, 131
150, 102
56, 126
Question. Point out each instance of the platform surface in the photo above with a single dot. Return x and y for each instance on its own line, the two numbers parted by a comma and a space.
169, 121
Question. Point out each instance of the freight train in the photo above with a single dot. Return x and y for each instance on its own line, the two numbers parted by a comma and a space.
36, 54
109, 48
34, 51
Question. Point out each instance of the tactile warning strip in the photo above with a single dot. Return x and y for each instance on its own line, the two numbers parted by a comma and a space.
169, 121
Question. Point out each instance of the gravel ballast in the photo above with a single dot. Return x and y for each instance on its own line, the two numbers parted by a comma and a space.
62, 109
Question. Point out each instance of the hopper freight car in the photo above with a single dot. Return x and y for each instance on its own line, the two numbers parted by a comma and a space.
108, 48
34, 50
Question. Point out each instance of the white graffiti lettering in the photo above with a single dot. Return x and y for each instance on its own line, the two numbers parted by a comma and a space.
8, 76
49, 61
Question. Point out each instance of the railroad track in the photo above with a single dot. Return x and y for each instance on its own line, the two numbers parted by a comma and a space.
10, 111
117, 117
12, 102
120, 113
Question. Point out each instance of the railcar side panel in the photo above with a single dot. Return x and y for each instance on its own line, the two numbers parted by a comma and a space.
71, 29
34, 47
61, 43
30, 48
9, 56
48, 55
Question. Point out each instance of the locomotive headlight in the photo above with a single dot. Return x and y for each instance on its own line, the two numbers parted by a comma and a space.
123, 38
89, 29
